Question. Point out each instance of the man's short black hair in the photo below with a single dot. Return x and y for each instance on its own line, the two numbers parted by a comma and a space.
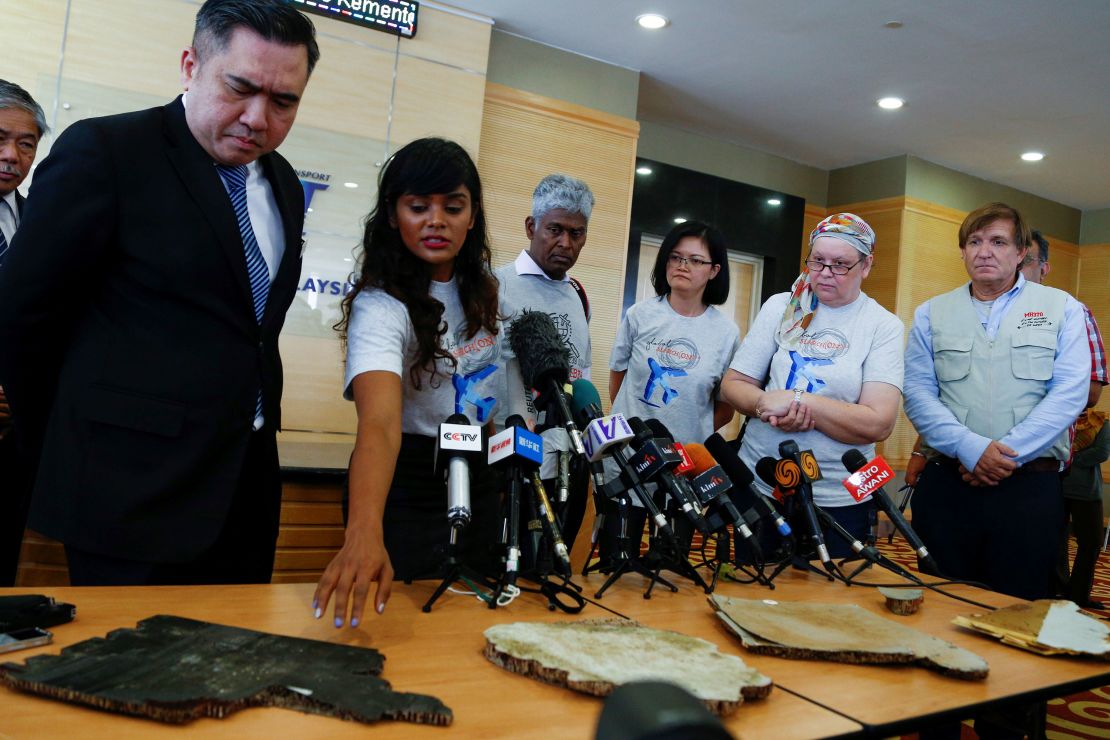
273, 20
1042, 245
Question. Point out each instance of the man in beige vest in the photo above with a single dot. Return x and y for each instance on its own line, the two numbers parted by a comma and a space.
996, 372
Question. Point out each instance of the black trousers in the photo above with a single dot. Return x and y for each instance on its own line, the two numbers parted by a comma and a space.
1006, 536
16, 482
243, 552
415, 524
1086, 523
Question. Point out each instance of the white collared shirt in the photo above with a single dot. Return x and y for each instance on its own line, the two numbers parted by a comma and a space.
525, 265
264, 214
9, 216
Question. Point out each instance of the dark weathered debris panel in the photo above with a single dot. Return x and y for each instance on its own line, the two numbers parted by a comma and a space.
175, 670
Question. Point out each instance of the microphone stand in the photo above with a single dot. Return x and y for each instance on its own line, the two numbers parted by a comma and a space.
868, 553
624, 562
510, 533
794, 557
668, 553
456, 570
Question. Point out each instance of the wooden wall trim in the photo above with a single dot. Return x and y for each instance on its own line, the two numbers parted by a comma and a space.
1094, 250
561, 109
882, 205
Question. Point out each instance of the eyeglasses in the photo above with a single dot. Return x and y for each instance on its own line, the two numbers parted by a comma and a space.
691, 262
815, 267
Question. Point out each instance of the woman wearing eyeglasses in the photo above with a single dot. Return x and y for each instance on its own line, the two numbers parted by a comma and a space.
822, 365
672, 350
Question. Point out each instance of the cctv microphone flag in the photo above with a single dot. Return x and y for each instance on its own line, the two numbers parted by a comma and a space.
454, 439
874, 474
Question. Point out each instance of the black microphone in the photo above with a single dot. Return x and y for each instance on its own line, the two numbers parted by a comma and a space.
788, 449
457, 441
712, 485
545, 364
742, 481
562, 483
516, 449
660, 459
854, 460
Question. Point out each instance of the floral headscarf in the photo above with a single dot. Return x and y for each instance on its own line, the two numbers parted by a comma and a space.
802, 305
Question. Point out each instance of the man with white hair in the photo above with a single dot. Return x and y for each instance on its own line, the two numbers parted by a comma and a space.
538, 280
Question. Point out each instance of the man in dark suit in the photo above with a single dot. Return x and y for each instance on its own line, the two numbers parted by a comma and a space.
140, 308
22, 125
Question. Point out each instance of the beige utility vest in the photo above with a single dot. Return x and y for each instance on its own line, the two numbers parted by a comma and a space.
991, 385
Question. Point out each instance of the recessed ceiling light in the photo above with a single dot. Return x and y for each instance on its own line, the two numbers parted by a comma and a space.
643, 170
774, 202
893, 24
680, 220
310, 210
891, 103
652, 21
350, 184
348, 259
1033, 156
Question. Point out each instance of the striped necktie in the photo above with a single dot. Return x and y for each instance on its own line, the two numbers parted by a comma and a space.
235, 180
4, 241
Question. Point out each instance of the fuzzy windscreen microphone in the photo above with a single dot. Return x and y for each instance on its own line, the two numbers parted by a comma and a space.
539, 349
545, 366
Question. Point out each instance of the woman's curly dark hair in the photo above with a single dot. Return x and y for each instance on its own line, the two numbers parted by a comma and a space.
426, 167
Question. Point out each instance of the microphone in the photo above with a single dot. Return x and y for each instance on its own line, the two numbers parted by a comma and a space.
742, 479
514, 449
545, 364
789, 451
867, 478
562, 487
711, 484
658, 458
608, 436
457, 441
586, 406
547, 519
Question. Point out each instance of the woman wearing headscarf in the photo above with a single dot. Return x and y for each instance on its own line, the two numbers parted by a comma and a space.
822, 365
1082, 488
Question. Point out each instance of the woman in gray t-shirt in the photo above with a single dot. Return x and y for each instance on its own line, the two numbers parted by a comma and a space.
672, 350
822, 365
421, 330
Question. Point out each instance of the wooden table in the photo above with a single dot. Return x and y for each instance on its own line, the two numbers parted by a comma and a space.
440, 654
437, 653
886, 700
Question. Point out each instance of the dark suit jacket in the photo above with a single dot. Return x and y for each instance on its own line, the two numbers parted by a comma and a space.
132, 356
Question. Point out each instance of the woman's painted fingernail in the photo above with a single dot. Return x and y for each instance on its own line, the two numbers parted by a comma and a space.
381, 608
338, 622
354, 621
318, 613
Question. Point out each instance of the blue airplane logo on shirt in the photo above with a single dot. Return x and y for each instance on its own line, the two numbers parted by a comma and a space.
466, 392
804, 367
658, 379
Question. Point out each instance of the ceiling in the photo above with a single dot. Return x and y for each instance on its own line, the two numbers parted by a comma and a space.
983, 80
